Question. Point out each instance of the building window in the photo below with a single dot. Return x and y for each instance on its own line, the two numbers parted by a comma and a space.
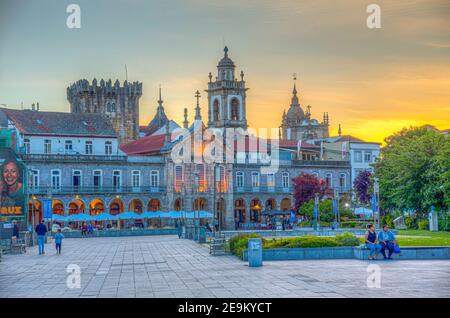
179, 178
239, 179
154, 179
329, 180
220, 179
34, 180
270, 180
136, 179
117, 182
108, 148
68, 147
367, 157
47, 146
88, 147
201, 178
255, 179
26, 145
216, 111
97, 174
76, 180
358, 156
342, 180
56, 180
285, 180
111, 107
235, 109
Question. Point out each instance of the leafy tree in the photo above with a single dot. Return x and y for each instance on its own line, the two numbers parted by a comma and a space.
363, 186
325, 210
414, 171
306, 186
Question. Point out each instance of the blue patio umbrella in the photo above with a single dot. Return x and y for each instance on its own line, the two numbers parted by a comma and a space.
175, 214
129, 215
151, 215
334, 206
81, 217
104, 217
206, 214
190, 215
59, 218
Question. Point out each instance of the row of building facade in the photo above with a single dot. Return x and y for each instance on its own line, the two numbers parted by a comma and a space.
91, 160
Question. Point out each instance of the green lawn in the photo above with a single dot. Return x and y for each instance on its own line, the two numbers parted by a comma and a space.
423, 238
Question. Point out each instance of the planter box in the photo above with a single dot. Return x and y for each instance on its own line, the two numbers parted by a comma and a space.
282, 254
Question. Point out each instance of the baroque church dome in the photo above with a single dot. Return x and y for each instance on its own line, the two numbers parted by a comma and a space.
295, 113
226, 61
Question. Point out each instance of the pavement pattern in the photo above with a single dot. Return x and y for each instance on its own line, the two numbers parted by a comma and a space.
165, 266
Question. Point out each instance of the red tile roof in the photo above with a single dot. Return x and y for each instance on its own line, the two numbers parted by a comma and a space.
144, 146
59, 123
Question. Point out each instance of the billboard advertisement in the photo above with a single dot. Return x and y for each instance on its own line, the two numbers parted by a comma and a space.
12, 185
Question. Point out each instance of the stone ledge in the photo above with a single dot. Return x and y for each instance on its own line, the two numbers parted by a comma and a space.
360, 252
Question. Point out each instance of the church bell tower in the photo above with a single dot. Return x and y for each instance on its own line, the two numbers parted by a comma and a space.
226, 96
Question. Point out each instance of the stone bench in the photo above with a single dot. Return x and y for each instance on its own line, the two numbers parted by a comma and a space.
409, 252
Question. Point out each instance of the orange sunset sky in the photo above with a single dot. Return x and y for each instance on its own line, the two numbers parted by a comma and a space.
371, 81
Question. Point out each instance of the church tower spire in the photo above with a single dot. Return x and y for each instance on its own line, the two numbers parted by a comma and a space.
198, 115
186, 122
227, 96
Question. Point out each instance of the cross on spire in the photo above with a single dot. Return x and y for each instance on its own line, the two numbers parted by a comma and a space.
197, 108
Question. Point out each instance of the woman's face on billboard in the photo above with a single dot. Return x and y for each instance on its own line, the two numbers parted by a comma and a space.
10, 173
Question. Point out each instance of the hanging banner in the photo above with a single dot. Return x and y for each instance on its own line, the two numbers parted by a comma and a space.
47, 208
12, 185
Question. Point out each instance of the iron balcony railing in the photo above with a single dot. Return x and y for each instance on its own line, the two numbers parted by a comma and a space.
71, 157
262, 189
46, 190
266, 189
322, 163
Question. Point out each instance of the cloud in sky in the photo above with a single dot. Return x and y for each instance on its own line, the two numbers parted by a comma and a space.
391, 77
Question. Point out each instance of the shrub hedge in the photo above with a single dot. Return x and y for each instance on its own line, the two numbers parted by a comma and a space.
240, 242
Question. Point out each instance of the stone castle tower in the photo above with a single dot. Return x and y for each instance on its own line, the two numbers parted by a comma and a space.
119, 103
226, 96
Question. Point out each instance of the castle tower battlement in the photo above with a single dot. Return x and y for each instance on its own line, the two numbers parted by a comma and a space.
119, 102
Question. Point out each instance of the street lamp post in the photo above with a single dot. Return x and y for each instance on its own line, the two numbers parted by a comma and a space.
316, 210
336, 198
376, 213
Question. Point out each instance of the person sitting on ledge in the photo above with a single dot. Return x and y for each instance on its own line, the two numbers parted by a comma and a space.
387, 241
371, 242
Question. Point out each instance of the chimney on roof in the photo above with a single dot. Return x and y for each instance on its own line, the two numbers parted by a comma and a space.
37, 106
32, 107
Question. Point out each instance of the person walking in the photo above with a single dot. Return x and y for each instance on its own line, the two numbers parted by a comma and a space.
58, 241
41, 231
90, 230
15, 229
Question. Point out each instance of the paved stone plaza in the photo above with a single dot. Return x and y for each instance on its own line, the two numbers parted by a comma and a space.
165, 266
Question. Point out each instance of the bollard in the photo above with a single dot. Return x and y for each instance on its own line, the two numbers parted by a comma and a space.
254, 252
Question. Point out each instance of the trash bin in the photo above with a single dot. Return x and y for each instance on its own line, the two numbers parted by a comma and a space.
201, 234
254, 252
